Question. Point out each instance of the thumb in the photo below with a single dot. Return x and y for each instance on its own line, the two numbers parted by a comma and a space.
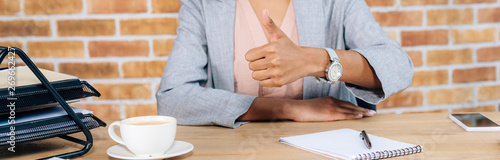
274, 31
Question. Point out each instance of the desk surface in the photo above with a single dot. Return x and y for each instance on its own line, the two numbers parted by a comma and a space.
441, 138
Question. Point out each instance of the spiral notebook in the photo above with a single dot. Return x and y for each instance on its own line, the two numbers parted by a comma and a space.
347, 144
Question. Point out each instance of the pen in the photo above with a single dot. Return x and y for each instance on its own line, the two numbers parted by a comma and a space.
365, 139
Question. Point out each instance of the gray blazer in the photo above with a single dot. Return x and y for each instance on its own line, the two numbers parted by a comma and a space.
197, 86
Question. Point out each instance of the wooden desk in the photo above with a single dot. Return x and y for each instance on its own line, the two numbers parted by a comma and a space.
441, 138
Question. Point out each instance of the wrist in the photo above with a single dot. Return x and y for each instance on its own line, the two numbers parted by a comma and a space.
287, 109
319, 61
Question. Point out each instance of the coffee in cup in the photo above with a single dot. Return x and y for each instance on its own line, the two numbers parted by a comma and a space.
145, 136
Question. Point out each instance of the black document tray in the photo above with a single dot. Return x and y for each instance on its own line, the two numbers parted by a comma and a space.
79, 122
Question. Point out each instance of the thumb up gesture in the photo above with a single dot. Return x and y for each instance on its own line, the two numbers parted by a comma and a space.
281, 61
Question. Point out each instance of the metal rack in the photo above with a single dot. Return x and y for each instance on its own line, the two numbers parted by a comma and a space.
89, 140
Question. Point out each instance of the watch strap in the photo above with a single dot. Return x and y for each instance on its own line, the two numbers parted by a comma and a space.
333, 57
332, 54
321, 79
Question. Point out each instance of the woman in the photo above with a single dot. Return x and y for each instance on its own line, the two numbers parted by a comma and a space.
238, 60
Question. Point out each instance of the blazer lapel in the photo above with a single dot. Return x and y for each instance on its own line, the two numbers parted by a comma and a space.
310, 18
219, 16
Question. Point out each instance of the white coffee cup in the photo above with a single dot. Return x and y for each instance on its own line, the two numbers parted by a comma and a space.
145, 136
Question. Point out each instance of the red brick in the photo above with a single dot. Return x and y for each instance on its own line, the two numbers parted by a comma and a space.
488, 15
403, 99
117, 6
11, 44
450, 16
141, 110
488, 54
380, 2
473, 1
44, 7
56, 49
152, 26
488, 93
90, 70
399, 18
9, 7
24, 28
446, 96
118, 48
423, 2
416, 58
162, 47
164, 6
102, 111
474, 35
432, 37
445, 57
124, 91
423, 78
47, 66
86, 27
142, 69
474, 75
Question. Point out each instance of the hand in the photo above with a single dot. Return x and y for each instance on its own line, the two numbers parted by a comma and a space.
326, 109
280, 61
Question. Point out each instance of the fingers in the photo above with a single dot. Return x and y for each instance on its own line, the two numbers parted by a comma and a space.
351, 106
261, 75
353, 116
259, 52
255, 54
347, 107
370, 113
351, 111
271, 83
267, 78
271, 28
348, 111
260, 64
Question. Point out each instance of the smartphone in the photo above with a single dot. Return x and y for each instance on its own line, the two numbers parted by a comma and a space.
474, 122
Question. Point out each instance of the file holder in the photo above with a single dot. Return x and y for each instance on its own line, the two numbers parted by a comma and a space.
72, 116
37, 96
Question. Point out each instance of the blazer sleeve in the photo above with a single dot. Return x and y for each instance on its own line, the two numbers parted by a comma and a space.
182, 93
392, 65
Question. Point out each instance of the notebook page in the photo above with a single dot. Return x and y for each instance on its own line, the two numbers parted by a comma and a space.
342, 143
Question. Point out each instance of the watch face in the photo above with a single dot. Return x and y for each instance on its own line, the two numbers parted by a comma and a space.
335, 72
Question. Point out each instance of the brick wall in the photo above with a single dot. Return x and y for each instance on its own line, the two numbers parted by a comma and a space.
122, 46
455, 48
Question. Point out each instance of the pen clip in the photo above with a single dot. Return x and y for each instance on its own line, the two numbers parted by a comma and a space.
365, 139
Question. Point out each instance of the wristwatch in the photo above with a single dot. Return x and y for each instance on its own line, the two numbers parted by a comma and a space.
334, 71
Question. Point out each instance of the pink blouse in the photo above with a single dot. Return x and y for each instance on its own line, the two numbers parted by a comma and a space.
249, 34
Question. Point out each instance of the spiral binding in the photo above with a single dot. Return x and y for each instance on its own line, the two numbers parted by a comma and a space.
389, 153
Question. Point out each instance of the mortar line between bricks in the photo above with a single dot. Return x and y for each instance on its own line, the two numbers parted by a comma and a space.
84, 7
21, 8
149, 6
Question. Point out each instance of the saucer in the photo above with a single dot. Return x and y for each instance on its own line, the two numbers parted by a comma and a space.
178, 148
